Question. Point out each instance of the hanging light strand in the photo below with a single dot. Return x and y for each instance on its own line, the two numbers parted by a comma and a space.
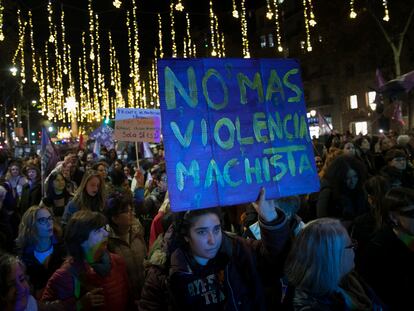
245, 41
312, 20
386, 12
269, 13
352, 13
174, 45
213, 33
277, 24
130, 93
42, 89
139, 89
191, 44
1, 21
64, 44
161, 51
234, 13
220, 38
35, 77
308, 40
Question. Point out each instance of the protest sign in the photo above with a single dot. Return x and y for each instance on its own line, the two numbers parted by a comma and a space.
137, 125
232, 126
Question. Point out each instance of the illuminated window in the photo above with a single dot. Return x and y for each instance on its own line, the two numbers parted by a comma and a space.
353, 102
370, 97
263, 41
271, 42
361, 128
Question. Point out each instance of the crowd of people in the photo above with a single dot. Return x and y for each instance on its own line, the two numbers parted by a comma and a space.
97, 233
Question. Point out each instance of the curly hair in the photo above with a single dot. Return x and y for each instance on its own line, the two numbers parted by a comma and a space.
27, 236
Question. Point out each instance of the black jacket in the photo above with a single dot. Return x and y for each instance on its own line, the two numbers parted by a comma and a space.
230, 281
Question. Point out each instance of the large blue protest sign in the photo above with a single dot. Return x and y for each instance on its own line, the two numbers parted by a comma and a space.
232, 126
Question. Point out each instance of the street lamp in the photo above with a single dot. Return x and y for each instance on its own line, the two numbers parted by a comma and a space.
312, 113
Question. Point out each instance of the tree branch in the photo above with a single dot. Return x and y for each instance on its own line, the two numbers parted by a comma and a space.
410, 17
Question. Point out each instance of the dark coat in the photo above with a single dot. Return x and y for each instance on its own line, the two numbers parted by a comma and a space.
230, 281
39, 273
31, 195
362, 293
387, 266
345, 205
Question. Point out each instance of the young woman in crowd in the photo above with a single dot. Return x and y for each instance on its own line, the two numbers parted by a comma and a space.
387, 263
38, 248
91, 278
320, 269
89, 196
209, 270
57, 194
32, 190
363, 152
16, 180
348, 148
341, 195
14, 287
126, 238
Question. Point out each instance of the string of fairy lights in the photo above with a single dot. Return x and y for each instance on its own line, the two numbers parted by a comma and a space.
79, 89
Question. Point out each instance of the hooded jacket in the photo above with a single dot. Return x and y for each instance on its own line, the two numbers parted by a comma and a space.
230, 281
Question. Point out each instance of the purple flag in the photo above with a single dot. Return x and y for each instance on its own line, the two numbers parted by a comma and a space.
103, 135
48, 153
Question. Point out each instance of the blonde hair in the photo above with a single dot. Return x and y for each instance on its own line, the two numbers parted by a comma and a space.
314, 263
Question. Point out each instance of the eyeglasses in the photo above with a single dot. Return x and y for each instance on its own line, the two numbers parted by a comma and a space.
353, 245
409, 213
45, 220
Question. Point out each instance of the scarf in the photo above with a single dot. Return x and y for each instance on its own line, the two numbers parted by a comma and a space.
103, 267
406, 238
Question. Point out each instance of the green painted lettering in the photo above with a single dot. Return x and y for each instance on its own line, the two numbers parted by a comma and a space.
292, 86
250, 170
266, 169
226, 174
304, 163
213, 174
256, 84
186, 140
303, 132
182, 173
204, 132
242, 140
287, 118
229, 143
215, 106
274, 85
258, 126
296, 124
275, 127
172, 83
278, 165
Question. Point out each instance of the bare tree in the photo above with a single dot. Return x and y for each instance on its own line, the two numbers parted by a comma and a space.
396, 41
